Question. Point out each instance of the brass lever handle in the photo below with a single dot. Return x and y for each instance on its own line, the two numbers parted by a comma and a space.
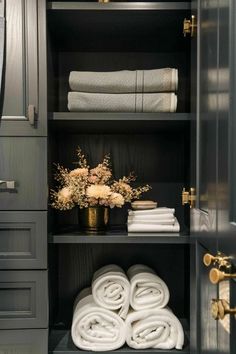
220, 259
220, 308
217, 276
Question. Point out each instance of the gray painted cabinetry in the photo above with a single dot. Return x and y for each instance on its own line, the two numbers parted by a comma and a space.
23, 181
24, 103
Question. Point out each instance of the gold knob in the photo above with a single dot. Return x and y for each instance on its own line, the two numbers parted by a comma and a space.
217, 276
208, 259
220, 259
220, 308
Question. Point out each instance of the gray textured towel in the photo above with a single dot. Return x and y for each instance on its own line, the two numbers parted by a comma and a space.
125, 81
130, 102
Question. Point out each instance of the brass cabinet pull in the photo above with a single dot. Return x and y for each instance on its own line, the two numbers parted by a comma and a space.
31, 114
220, 259
7, 184
217, 276
220, 308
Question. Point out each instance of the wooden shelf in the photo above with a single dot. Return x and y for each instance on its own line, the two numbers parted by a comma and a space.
72, 122
153, 6
100, 116
60, 342
119, 237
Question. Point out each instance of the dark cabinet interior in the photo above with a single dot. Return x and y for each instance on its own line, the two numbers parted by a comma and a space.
82, 36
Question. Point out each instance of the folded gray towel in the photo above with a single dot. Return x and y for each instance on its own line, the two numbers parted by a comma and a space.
125, 81
104, 102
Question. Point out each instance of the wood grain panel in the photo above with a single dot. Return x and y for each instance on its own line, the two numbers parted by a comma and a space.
81, 261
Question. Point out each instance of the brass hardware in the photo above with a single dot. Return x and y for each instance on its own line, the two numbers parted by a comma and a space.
8, 184
189, 26
189, 197
104, 1
31, 114
216, 276
220, 308
220, 260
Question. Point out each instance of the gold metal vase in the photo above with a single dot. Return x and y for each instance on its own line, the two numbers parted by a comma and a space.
94, 220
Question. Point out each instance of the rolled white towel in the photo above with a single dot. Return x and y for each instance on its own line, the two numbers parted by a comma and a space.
95, 328
111, 289
123, 102
147, 290
152, 227
125, 81
154, 328
156, 211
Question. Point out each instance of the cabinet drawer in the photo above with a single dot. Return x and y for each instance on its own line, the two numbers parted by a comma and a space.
23, 160
23, 299
23, 240
30, 341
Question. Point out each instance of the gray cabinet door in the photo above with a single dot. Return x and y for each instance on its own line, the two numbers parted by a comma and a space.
214, 219
23, 299
30, 341
24, 161
24, 74
23, 240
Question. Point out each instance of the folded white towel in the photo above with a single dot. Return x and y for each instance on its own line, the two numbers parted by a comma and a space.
152, 227
150, 221
125, 81
111, 289
156, 211
147, 289
95, 328
154, 328
123, 102
154, 217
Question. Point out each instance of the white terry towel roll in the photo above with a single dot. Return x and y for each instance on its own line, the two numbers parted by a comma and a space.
156, 211
141, 226
123, 102
147, 289
95, 328
111, 289
125, 81
154, 328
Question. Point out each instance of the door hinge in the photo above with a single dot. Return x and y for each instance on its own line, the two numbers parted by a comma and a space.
189, 197
190, 26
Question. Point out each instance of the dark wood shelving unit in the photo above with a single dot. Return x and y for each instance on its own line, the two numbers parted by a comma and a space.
70, 5
60, 342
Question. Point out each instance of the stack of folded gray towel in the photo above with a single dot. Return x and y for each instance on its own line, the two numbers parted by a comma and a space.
123, 91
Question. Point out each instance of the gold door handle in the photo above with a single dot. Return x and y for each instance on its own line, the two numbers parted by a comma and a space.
220, 308
220, 259
217, 276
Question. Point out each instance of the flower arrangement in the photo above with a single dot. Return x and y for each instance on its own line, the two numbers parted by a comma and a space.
86, 187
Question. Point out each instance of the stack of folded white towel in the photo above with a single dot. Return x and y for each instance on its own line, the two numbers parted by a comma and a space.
152, 220
121, 308
123, 91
